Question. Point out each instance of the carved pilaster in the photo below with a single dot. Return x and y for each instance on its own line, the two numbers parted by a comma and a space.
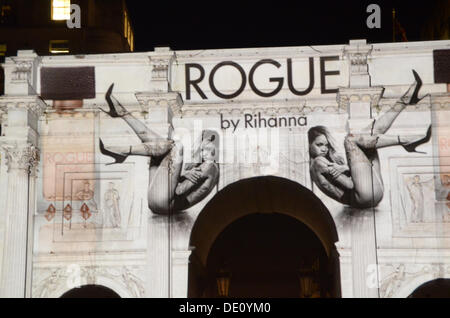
20, 118
20, 73
357, 53
21, 159
364, 260
161, 61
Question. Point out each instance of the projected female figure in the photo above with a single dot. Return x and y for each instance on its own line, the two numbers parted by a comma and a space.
171, 188
360, 184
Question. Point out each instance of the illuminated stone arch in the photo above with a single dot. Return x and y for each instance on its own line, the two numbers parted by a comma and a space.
266, 195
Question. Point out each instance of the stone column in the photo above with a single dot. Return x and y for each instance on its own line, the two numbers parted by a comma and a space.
160, 108
159, 104
31, 213
18, 144
20, 159
358, 99
180, 269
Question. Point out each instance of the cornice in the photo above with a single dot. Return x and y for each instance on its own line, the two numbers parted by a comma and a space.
31, 103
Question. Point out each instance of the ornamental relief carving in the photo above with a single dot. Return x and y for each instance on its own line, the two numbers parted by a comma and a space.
21, 157
172, 100
35, 106
396, 276
358, 63
216, 110
57, 281
22, 71
160, 69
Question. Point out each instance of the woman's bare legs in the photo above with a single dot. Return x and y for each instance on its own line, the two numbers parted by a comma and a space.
362, 155
163, 178
364, 165
151, 148
117, 110
384, 122
166, 157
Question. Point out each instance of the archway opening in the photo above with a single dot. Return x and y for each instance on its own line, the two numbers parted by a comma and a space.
264, 237
269, 255
437, 288
90, 291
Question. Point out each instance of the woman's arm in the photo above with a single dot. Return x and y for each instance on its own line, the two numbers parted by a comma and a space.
188, 181
210, 174
344, 181
329, 176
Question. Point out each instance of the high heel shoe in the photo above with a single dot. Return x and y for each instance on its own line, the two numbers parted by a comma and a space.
118, 158
411, 146
112, 109
414, 98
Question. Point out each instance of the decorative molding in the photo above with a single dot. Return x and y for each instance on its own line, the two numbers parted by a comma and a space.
300, 108
397, 277
149, 100
22, 71
56, 280
345, 96
32, 103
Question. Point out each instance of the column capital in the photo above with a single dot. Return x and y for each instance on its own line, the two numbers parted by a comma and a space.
20, 72
21, 157
161, 60
357, 53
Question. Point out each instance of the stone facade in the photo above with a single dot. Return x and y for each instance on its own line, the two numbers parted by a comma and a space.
70, 218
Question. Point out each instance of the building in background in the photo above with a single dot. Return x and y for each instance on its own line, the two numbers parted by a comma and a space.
437, 26
41, 26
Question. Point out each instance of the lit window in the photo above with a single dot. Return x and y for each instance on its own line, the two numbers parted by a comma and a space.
131, 43
2, 49
60, 9
125, 24
59, 46
127, 31
6, 14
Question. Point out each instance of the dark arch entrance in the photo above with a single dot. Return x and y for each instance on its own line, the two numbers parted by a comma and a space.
269, 237
90, 291
437, 288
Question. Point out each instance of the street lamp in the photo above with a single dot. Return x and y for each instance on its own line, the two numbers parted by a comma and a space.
223, 282
306, 283
307, 276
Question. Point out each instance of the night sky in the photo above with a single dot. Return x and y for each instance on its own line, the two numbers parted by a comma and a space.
185, 25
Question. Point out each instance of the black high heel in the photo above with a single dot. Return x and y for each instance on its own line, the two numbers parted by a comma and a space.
411, 147
112, 110
414, 98
118, 158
